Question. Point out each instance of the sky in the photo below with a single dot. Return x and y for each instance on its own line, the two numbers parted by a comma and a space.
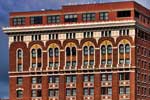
7, 6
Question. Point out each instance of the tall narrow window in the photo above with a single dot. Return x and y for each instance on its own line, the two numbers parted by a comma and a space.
121, 48
56, 52
19, 54
91, 50
127, 48
68, 53
85, 50
73, 51
33, 53
109, 49
39, 53
50, 52
103, 50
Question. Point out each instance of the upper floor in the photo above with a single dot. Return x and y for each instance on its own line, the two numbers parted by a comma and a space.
100, 12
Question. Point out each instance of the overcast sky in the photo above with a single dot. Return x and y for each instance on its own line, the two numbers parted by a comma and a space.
7, 6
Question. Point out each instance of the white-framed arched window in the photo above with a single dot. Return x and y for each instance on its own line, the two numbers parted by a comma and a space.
19, 60
124, 53
53, 56
88, 55
36, 57
70, 56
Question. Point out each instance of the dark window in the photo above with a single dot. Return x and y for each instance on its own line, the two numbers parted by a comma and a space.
53, 92
36, 20
19, 80
106, 90
85, 50
39, 53
103, 50
53, 79
19, 93
56, 52
50, 52
19, 21
53, 19
137, 14
103, 15
91, 50
124, 76
71, 18
88, 34
73, 51
123, 13
68, 53
88, 16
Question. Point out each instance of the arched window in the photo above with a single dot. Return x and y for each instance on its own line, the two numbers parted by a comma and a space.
103, 50
121, 48
50, 52
56, 52
67, 51
127, 48
73, 51
85, 50
109, 49
19, 54
39, 53
91, 50
33, 53
19, 93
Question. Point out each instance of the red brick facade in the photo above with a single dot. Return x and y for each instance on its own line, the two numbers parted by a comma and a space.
135, 63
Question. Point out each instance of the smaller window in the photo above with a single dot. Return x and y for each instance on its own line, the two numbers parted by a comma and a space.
53, 19
85, 63
19, 93
89, 16
20, 68
19, 21
91, 62
71, 18
127, 61
123, 13
109, 49
103, 61
91, 50
121, 61
85, 50
127, 48
36, 20
33, 53
74, 51
19, 80
56, 52
39, 53
103, 50
68, 64
121, 48
50, 52
19, 54
68, 53
103, 15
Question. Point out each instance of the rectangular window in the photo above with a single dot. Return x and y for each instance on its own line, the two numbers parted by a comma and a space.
121, 61
127, 61
20, 68
36, 93
36, 80
85, 63
71, 92
106, 33
71, 18
85, 91
19, 21
89, 16
88, 78
124, 13
53, 79
109, 61
36, 20
53, 92
71, 79
36, 37
124, 76
124, 90
106, 77
19, 80
103, 15
53, 19
106, 91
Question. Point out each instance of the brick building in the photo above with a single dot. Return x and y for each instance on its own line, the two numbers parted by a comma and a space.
80, 52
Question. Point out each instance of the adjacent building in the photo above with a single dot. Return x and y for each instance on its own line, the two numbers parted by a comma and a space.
80, 52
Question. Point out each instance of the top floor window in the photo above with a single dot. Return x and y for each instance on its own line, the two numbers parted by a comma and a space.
103, 15
36, 37
106, 33
126, 13
88, 16
19, 21
36, 20
53, 19
70, 35
71, 18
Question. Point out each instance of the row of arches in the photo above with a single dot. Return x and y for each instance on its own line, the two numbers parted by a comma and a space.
71, 55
